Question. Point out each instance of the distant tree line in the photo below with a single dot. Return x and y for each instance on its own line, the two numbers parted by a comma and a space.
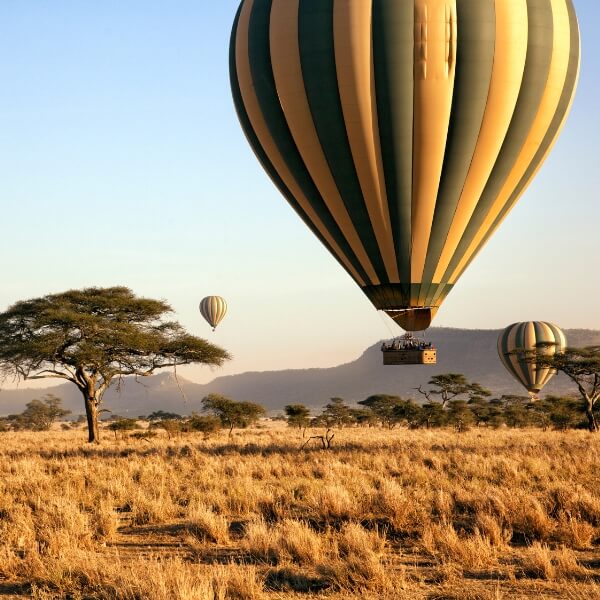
220, 413
451, 401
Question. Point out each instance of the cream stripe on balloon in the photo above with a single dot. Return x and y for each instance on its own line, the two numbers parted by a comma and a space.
435, 67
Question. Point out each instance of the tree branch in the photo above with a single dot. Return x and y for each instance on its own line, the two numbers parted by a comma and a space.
50, 375
422, 391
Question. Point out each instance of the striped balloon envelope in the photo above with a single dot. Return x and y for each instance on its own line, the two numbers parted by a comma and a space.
403, 131
213, 309
516, 346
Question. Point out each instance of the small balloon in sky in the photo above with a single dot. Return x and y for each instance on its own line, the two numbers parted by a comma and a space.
213, 309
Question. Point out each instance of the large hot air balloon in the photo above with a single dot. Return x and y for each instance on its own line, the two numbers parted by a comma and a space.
403, 131
213, 309
516, 346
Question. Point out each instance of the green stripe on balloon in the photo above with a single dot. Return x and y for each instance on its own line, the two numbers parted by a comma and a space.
393, 58
320, 81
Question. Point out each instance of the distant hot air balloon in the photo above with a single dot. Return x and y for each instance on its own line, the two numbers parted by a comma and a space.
516, 345
213, 309
403, 131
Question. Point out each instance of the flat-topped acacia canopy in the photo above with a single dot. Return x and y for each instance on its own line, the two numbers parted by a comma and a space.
91, 336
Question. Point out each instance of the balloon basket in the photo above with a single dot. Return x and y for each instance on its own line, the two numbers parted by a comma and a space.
408, 350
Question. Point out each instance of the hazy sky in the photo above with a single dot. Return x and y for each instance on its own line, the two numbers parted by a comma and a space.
122, 163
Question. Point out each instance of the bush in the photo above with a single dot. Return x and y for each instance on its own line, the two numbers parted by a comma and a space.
173, 427
206, 424
121, 425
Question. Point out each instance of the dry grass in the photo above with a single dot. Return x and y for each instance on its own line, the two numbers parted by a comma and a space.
383, 514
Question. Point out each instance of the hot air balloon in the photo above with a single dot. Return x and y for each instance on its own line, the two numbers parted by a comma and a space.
213, 309
403, 131
516, 347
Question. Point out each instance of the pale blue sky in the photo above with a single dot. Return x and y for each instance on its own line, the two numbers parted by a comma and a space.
122, 162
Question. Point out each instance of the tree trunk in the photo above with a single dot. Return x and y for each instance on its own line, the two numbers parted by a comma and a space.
592, 422
91, 412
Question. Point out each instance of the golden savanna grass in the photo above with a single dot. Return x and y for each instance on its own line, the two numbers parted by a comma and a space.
383, 514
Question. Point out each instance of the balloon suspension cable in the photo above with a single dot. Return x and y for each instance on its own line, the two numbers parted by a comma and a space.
185, 399
383, 316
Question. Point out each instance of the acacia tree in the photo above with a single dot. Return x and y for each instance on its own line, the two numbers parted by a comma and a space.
562, 413
486, 412
92, 336
460, 415
122, 424
409, 412
232, 414
39, 414
450, 385
582, 367
337, 413
433, 414
383, 406
516, 410
298, 416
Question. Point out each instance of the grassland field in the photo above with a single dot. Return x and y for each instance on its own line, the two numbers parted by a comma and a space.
386, 514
